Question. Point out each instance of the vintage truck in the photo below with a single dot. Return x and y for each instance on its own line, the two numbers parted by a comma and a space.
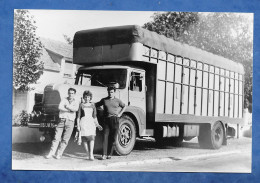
172, 91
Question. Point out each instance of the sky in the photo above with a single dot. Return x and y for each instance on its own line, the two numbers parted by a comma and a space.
53, 24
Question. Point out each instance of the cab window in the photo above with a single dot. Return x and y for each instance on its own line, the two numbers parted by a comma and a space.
136, 82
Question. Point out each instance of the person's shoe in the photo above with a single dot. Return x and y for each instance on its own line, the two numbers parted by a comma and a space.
109, 157
103, 157
57, 157
91, 158
48, 156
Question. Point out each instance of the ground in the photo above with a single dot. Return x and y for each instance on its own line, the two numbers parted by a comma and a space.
146, 156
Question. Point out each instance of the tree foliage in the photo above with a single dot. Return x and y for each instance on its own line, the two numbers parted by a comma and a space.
227, 34
172, 24
27, 51
68, 39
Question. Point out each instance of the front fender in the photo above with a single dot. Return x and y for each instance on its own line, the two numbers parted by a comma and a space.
137, 114
139, 118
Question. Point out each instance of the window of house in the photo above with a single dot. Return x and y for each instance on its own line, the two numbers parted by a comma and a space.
68, 69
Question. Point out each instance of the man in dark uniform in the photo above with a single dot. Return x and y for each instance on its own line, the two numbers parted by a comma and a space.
113, 109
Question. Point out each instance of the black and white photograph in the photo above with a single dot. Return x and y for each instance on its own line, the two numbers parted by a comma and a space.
135, 91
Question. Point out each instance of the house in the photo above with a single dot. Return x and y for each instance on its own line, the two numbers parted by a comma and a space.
58, 68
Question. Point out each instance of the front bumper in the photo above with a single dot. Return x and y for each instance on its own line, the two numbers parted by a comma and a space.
42, 125
44, 121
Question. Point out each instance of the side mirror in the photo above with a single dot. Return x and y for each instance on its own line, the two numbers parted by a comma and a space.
141, 77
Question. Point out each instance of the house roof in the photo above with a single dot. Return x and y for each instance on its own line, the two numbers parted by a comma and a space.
58, 47
49, 63
54, 47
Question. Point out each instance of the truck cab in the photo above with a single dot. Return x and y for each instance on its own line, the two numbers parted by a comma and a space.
129, 81
131, 89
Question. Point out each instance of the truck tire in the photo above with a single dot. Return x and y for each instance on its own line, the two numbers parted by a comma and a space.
126, 136
211, 138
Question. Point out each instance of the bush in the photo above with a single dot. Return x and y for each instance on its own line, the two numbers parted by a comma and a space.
21, 119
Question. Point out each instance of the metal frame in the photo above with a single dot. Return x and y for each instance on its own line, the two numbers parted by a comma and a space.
213, 89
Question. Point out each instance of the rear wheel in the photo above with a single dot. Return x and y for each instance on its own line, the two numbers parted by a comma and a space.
211, 138
126, 136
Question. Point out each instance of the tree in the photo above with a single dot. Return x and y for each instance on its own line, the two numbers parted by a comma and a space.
68, 39
172, 24
27, 51
227, 34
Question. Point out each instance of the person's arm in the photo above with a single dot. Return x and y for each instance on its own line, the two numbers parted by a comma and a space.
123, 107
78, 118
98, 104
62, 106
121, 112
97, 124
95, 118
73, 107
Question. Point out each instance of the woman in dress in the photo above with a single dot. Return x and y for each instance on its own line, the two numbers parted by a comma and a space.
87, 123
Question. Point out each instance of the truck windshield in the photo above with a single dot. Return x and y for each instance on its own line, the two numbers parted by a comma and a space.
102, 77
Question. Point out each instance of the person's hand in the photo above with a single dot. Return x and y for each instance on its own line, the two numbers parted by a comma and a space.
66, 107
119, 115
100, 128
79, 141
78, 128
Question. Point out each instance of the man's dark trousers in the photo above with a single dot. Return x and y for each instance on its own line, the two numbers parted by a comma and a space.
111, 126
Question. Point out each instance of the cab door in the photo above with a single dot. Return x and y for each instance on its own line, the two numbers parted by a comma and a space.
137, 89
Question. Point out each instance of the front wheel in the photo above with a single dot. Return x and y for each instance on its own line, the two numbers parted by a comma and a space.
126, 136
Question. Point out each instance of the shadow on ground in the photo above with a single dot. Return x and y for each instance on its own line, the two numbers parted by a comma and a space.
31, 148
75, 150
143, 144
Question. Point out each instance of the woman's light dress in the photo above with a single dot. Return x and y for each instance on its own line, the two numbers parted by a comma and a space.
87, 123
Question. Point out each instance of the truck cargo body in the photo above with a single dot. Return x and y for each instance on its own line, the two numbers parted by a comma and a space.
191, 85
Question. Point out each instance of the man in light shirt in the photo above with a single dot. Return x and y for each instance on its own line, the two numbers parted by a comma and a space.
68, 108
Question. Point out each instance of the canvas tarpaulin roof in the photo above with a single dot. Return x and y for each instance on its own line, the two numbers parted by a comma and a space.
135, 34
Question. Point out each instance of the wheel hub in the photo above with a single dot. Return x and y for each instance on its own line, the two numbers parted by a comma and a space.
218, 134
125, 135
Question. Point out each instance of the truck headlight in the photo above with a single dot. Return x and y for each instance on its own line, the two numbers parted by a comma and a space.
42, 138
